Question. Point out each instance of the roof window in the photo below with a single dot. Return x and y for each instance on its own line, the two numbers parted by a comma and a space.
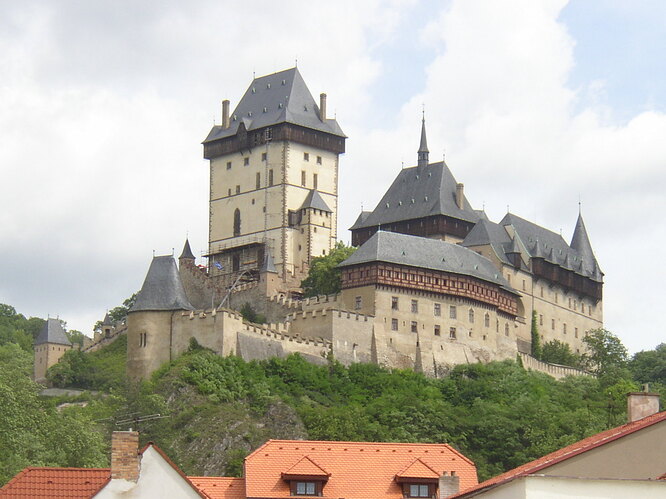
265, 109
284, 82
254, 90
268, 85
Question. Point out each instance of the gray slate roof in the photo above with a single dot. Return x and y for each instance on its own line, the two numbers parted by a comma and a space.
52, 332
417, 192
162, 289
360, 220
581, 242
314, 200
187, 251
268, 265
421, 252
537, 242
276, 98
107, 320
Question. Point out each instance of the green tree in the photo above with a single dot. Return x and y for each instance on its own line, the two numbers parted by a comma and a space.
324, 275
118, 313
76, 337
649, 366
606, 355
558, 352
536, 339
250, 314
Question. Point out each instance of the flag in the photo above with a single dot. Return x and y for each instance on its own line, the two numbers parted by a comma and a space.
218, 266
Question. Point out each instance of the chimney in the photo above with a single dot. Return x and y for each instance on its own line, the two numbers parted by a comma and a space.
322, 106
641, 404
225, 113
125, 461
460, 196
449, 485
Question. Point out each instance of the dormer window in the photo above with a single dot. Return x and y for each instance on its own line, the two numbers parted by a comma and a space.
299, 488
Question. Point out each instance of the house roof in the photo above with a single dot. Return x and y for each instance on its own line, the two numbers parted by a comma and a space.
52, 332
417, 469
35, 483
281, 97
418, 192
220, 487
150, 445
162, 289
314, 200
422, 252
585, 445
356, 469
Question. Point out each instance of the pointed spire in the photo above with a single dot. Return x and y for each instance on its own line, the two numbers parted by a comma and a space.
268, 265
581, 242
187, 251
162, 289
423, 147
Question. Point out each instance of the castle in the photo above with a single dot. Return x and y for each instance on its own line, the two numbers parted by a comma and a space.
433, 283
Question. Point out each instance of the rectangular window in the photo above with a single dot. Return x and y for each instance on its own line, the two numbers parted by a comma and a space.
453, 313
306, 156
264, 156
270, 177
540, 319
303, 178
418, 490
246, 161
564, 328
524, 285
228, 165
415, 306
552, 324
305, 489
394, 324
319, 160
452, 333
576, 332
258, 180
437, 330
541, 291
394, 303
314, 180
238, 189
438, 309
358, 303
415, 327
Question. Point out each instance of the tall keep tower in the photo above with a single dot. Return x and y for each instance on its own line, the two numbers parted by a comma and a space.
273, 180
50, 345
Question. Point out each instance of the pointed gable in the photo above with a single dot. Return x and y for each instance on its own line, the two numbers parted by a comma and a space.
305, 468
315, 201
417, 470
52, 332
162, 289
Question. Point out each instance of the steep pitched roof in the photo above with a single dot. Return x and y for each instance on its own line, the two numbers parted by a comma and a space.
486, 232
162, 289
306, 467
187, 251
35, 483
417, 192
414, 251
52, 332
360, 220
220, 487
357, 469
417, 469
281, 97
567, 452
555, 248
314, 200
581, 241
269, 264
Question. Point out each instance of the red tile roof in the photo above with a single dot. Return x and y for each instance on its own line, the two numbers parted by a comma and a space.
306, 467
358, 470
220, 487
567, 452
56, 482
417, 469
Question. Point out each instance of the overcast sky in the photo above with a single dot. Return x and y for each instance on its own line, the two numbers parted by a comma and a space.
536, 105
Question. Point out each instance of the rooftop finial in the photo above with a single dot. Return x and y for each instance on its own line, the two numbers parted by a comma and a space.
423, 147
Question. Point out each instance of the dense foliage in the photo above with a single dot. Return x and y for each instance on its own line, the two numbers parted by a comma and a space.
324, 276
15, 328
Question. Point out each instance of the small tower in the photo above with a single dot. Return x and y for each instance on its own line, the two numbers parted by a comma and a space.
107, 326
50, 346
423, 146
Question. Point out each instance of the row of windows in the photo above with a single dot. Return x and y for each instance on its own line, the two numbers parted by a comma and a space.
304, 179
315, 488
264, 158
564, 326
437, 329
306, 157
437, 310
315, 181
573, 303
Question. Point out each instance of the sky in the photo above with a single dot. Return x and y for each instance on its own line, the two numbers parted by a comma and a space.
539, 107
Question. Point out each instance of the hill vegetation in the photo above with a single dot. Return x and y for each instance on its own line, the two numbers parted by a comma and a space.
218, 409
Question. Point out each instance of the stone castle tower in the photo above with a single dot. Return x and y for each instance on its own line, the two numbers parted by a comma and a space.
273, 181
50, 345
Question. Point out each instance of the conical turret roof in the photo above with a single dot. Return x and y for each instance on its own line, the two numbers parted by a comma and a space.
162, 289
52, 332
187, 251
581, 242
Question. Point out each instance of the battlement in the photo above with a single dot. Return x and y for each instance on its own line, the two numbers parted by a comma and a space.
557, 371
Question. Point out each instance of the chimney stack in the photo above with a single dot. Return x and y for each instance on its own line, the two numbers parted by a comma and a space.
641, 404
449, 485
125, 461
322, 106
225, 113
460, 196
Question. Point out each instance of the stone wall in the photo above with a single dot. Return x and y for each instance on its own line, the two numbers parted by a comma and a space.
557, 371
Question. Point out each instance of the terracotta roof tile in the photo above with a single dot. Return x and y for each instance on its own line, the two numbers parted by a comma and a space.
306, 467
418, 469
358, 470
567, 452
220, 487
56, 482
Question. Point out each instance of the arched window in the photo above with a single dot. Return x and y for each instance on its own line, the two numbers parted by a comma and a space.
506, 329
237, 222
471, 315
487, 319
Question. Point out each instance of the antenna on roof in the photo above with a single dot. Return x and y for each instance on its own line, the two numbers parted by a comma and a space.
296, 61
173, 251
402, 165
579, 204
253, 74
507, 208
